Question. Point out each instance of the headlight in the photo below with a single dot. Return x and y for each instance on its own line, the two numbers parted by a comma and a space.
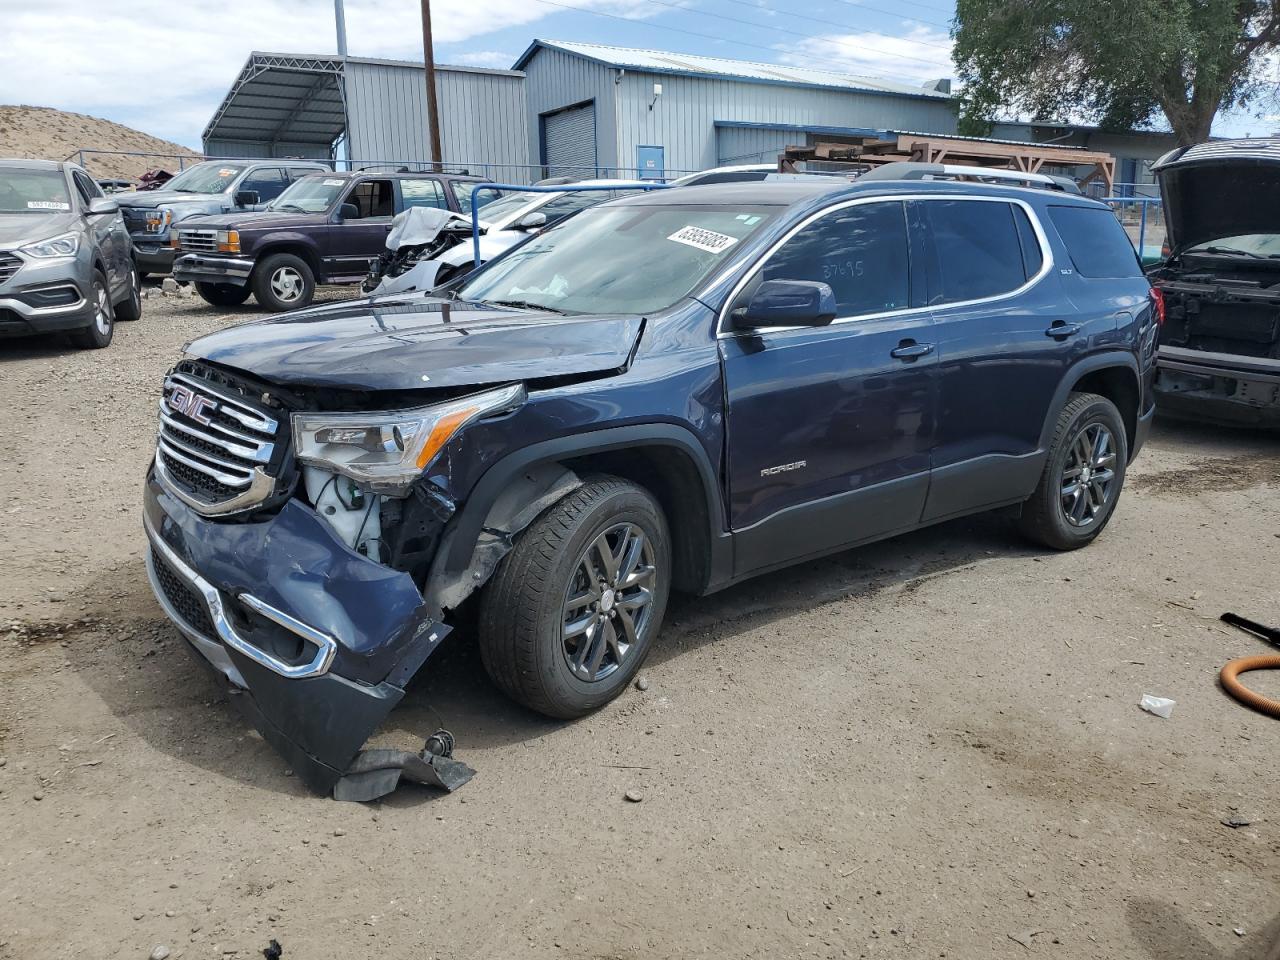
158, 220
63, 246
388, 450
228, 241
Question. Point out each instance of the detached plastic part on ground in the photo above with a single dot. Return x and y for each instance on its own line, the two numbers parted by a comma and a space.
376, 773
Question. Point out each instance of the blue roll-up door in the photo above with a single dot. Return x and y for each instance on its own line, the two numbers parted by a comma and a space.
569, 142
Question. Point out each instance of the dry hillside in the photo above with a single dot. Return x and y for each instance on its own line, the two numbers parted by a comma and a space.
48, 134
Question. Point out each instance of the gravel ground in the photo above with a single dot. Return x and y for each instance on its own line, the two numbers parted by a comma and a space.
926, 748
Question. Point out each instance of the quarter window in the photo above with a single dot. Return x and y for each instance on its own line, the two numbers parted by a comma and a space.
1098, 245
859, 251
979, 252
422, 193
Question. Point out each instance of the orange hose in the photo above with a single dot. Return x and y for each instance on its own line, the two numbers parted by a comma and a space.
1230, 677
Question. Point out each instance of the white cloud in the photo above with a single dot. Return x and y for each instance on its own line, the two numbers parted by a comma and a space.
920, 54
164, 67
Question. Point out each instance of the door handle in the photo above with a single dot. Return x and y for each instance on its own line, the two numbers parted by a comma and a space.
910, 351
1060, 330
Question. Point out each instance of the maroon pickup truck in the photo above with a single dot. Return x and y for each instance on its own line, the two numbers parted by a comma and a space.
322, 229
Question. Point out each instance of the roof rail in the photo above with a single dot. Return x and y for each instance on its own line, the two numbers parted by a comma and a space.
907, 170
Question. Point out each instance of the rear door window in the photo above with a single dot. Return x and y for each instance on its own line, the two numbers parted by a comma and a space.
978, 249
859, 251
1098, 245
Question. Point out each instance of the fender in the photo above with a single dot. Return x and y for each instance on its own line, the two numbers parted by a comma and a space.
288, 238
459, 547
1076, 373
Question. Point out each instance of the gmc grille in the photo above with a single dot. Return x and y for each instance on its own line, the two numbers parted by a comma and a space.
198, 241
9, 265
215, 447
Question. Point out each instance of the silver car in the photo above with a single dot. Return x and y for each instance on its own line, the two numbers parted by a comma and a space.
66, 260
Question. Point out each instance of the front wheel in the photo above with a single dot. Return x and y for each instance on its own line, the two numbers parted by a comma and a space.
222, 294
283, 281
1082, 477
99, 332
572, 610
130, 308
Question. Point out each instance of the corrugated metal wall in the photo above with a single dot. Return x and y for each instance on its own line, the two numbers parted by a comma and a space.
483, 117
752, 145
256, 148
683, 119
555, 80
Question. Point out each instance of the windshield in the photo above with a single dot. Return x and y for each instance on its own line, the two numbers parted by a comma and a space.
1265, 246
309, 195
33, 191
463, 189
627, 259
507, 206
205, 178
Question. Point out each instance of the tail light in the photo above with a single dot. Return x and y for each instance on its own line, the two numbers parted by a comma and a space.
1157, 305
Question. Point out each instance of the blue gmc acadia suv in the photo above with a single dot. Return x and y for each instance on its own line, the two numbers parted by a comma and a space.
673, 391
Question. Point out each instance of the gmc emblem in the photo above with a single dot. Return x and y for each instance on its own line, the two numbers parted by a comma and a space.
194, 405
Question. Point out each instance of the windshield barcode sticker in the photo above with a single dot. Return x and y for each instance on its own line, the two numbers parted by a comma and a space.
47, 205
703, 239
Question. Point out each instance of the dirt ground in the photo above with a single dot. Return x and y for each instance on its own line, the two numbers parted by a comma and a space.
931, 747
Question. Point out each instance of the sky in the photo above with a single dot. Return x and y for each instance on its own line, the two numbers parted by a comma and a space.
163, 67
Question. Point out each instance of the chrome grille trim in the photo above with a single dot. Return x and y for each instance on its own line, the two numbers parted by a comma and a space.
237, 409
9, 265
240, 445
206, 464
198, 241
258, 491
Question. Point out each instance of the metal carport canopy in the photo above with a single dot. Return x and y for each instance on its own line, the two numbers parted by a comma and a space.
281, 97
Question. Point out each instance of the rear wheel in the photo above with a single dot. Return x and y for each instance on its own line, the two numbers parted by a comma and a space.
98, 334
572, 610
223, 294
283, 281
130, 308
1082, 477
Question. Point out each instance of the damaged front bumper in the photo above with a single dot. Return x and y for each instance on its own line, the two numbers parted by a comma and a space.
315, 641
1223, 387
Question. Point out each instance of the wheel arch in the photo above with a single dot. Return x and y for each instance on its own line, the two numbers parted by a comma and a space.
295, 245
665, 459
1113, 375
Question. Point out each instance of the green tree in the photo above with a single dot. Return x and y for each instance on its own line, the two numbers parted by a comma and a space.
1118, 63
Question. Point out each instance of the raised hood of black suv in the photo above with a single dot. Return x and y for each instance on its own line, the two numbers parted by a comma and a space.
414, 343
1219, 190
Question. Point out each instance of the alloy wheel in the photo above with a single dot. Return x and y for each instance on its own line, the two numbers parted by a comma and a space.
286, 284
608, 602
101, 310
1088, 477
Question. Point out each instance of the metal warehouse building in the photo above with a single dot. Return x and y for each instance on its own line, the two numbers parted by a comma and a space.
287, 105
600, 106
587, 109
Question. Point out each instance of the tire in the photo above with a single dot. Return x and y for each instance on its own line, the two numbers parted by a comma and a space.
1089, 440
283, 282
130, 308
100, 330
527, 605
223, 294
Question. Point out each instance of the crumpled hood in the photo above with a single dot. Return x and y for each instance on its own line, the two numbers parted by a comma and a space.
1222, 197
17, 229
415, 343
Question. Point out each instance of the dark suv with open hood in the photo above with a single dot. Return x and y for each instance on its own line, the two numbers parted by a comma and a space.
1220, 347
674, 391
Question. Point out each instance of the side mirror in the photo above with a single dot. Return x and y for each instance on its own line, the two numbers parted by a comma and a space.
788, 303
247, 198
348, 211
102, 205
532, 221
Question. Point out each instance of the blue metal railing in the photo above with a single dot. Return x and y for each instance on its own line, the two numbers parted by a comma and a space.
1144, 205
558, 188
